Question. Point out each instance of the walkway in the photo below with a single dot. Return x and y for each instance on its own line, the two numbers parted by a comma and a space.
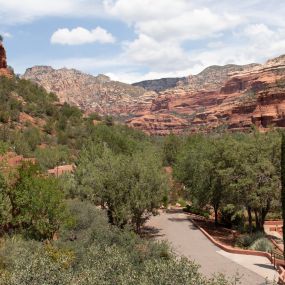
188, 241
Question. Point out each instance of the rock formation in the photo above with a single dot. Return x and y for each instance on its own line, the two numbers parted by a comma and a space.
158, 85
92, 93
211, 78
4, 70
252, 96
231, 97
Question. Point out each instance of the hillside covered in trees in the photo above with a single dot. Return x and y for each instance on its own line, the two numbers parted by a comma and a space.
52, 231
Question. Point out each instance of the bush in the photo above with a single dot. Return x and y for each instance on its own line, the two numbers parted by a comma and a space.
245, 241
262, 244
50, 157
196, 211
97, 254
182, 202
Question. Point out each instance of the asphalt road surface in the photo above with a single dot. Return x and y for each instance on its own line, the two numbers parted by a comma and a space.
186, 240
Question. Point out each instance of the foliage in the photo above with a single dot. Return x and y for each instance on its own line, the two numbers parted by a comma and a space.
245, 241
196, 211
231, 216
131, 186
92, 251
240, 169
171, 146
50, 157
33, 204
262, 244
3, 147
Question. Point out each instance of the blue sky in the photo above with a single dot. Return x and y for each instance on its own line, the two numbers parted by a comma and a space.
133, 40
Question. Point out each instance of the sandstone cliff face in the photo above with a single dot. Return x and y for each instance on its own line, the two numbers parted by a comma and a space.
252, 96
92, 93
4, 71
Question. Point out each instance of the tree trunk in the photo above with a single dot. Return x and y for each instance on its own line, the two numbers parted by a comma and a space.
283, 183
216, 215
257, 220
249, 212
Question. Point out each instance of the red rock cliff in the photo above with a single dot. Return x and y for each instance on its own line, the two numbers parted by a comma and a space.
253, 97
4, 71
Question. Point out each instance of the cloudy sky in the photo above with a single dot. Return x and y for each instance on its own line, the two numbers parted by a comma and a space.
133, 40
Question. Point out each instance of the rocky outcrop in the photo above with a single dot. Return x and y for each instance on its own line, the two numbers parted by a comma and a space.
211, 78
158, 85
92, 93
4, 70
159, 124
253, 96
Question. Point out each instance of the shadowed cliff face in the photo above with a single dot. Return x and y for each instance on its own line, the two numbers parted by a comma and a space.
230, 97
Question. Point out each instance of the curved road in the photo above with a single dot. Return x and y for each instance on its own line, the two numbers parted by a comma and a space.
186, 240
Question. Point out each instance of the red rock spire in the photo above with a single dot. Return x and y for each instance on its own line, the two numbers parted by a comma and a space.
4, 71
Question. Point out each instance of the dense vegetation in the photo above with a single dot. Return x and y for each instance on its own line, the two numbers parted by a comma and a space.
51, 230
233, 174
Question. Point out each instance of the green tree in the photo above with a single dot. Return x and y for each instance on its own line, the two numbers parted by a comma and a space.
130, 186
171, 145
35, 203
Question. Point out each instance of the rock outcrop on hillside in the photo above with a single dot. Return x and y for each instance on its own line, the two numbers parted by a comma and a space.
92, 93
4, 70
158, 85
254, 96
211, 78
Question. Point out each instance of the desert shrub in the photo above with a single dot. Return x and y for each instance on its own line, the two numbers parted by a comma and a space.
50, 157
36, 267
196, 211
182, 202
261, 244
91, 251
247, 240
3, 147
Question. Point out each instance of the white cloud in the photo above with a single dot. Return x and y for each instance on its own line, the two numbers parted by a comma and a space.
172, 37
79, 36
163, 56
163, 26
21, 11
6, 34
169, 20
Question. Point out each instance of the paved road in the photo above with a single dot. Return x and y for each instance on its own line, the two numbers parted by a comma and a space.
188, 241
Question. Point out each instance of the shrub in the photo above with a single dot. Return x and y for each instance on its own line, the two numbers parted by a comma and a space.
182, 202
247, 240
261, 244
196, 211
